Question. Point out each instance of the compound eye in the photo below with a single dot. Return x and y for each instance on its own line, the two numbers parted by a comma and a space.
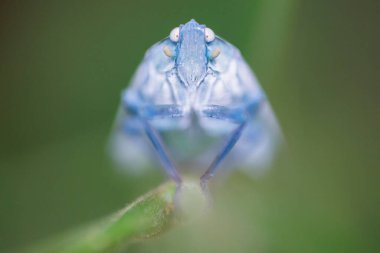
209, 35
174, 35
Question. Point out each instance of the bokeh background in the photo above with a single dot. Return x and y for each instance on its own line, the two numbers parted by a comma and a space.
63, 65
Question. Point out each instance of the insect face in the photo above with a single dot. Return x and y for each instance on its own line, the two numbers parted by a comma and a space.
191, 56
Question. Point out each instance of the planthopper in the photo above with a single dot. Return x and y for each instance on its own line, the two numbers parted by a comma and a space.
195, 105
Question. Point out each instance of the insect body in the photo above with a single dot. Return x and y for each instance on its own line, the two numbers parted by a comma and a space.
194, 98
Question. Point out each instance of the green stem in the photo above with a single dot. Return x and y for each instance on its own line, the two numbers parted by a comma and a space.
148, 216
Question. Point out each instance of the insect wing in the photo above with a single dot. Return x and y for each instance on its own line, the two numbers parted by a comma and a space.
128, 145
261, 138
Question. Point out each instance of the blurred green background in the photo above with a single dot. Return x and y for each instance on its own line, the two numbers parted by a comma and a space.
63, 65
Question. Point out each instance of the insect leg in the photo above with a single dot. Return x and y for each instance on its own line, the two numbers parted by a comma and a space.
146, 113
238, 115
158, 145
230, 143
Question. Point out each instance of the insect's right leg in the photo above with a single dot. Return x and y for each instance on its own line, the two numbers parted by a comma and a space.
158, 145
146, 113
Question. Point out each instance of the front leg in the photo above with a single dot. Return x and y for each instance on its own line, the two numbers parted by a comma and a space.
238, 115
230, 143
146, 113
158, 145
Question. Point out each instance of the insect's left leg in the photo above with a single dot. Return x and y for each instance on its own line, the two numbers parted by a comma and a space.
237, 115
230, 143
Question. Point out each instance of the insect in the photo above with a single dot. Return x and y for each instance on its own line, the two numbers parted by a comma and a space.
195, 99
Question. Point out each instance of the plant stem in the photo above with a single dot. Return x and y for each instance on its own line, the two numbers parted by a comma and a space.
148, 216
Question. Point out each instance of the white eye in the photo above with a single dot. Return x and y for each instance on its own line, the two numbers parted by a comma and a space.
174, 35
209, 35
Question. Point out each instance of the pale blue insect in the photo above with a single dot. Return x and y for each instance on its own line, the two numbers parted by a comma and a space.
195, 100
